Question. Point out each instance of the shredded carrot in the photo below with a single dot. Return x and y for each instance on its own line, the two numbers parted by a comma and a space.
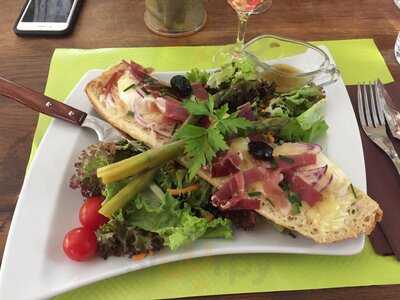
270, 137
188, 189
139, 256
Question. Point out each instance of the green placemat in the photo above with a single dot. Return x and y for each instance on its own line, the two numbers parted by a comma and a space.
359, 60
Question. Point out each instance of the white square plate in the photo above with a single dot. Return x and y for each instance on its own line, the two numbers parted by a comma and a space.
34, 265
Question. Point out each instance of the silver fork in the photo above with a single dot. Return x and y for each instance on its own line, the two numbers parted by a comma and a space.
372, 119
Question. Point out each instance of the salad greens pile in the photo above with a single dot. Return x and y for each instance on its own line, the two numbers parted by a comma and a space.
175, 208
153, 218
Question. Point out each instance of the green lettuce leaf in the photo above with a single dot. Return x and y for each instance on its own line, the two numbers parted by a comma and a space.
307, 127
237, 70
111, 189
294, 132
296, 102
174, 223
198, 76
312, 115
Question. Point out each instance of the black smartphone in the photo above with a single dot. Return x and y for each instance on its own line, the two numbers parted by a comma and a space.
47, 17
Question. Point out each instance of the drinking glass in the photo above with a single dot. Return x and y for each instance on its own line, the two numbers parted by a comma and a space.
244, 9
175, 18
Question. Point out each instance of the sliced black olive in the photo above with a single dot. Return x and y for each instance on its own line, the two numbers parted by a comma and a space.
260, 150
181, 85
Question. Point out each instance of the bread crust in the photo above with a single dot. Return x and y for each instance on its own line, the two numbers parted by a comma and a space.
117, 118
360, 218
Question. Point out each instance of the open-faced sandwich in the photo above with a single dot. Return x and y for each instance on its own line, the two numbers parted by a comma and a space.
210, 150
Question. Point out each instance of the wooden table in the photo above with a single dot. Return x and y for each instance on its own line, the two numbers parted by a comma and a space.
26, 60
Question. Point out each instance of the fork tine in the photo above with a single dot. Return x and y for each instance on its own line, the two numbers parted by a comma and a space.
373, 105
379, 103
366, 106
360, 106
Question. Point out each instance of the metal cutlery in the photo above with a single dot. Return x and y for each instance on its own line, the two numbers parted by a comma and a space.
53, 108
391, 114
370, 108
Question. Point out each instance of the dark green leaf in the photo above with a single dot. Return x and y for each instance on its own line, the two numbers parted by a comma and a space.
197, 108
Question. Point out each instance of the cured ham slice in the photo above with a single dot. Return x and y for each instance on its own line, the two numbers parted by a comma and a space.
199, 91
232, 195
112, 82
225, 164
291, 162
306, 191
171, 108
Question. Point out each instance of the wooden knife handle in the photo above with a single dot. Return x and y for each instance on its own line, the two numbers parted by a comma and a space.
40, 102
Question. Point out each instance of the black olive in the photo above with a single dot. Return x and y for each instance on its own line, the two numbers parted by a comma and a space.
181, 85
260, 150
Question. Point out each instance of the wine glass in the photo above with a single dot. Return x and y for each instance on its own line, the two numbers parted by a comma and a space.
244, 9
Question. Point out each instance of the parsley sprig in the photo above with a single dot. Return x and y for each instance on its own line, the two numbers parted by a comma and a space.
202, 144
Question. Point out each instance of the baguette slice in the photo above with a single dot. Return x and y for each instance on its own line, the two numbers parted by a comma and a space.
345, 212
118, 116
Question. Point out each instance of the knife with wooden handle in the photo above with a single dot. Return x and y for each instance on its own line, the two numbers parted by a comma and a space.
53, 108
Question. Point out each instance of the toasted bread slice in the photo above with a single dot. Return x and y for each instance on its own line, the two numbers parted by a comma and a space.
345, 212
117, 116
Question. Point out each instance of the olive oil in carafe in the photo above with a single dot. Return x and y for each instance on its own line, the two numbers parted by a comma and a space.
285, 77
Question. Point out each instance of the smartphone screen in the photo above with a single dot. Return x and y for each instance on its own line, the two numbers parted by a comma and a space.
54, 11
47, 17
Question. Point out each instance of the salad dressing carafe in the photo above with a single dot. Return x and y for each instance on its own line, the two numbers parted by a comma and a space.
290, 63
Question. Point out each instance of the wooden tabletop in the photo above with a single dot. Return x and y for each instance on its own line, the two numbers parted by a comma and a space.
26, 60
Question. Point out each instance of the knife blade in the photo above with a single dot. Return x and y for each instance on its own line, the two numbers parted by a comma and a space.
53, 108
392, 115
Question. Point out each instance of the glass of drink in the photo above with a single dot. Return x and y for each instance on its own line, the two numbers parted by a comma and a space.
244, 9
175, 17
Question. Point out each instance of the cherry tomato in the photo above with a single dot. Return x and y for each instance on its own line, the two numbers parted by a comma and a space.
80, 244
89, 213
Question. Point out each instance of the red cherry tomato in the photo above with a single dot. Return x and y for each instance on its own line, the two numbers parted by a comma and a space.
89, 213
80, 244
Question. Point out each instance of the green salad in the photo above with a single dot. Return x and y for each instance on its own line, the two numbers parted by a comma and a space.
150, 199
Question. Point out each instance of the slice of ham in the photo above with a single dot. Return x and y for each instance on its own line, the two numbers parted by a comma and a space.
270, 181
253, 175
241, 202
112, 82
139, 72
171, 108
232, 195
274, 192
306, 192
291, 162
225, 163
199, 91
